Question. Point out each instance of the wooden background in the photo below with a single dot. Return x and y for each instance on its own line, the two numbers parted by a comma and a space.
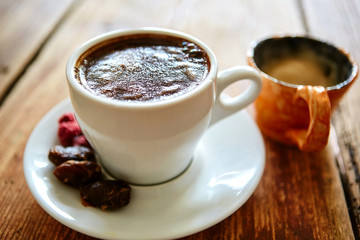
301, 195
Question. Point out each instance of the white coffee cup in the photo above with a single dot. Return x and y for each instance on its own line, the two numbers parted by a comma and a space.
152, 142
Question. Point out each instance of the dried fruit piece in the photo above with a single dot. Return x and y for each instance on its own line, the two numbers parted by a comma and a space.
78, 173
106, 194
69, 132
67, 117
59, 154
81, 141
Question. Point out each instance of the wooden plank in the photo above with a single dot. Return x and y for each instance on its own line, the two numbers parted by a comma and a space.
228, 27
299, 196
24, 25
339, 24
292, 206
40, 88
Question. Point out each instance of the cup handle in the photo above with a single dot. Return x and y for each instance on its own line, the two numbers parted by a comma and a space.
316, 136
225, 105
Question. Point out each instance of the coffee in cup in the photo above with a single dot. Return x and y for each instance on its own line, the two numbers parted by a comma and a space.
151, 96
142, 68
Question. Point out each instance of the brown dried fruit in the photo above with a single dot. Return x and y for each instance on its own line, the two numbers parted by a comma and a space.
106, 194
60, 154
77, 173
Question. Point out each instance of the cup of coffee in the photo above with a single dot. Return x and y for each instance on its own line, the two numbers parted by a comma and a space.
303, 81
144, 97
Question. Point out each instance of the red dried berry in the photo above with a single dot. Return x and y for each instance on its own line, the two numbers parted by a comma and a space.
67, 117
81, 141
67, 131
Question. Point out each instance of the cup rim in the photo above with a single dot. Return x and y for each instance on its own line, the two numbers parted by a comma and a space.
343, 51
75, 85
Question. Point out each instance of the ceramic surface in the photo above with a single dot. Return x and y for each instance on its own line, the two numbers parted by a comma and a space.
225, 170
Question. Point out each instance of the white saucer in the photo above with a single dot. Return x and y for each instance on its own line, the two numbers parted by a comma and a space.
225, 171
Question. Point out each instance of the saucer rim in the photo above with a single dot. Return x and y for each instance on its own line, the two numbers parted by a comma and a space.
65, 104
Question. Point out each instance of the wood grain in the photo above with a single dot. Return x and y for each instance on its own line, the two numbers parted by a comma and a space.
300, 195
340, 25
43, 85
25, 25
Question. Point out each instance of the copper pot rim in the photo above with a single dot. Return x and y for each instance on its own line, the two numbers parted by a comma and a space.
255, 43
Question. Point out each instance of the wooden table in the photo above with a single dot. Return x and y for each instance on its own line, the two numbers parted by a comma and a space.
300, 196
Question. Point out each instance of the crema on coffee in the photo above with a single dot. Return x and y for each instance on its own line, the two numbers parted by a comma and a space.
144, 67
